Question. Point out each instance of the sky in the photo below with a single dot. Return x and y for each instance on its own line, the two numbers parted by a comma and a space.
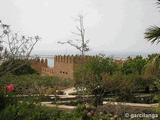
111, 25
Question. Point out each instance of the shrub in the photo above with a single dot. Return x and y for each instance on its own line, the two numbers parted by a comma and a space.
30, 111
6, 99
80, 113
33, 83
134, 65
18, 67
93, 80
100, 117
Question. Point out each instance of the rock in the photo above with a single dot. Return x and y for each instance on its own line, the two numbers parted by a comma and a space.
101, 113
110, 115
115, 116
92, 112
112, 118
89, 114
95, 114
90, 107
87, 106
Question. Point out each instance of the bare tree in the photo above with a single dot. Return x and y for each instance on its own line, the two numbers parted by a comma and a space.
80, 43
15, 46
83, 46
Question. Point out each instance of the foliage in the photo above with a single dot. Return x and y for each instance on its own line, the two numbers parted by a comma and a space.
80, 113
152, 34
139, 82
33, 83
152, 68
93, 77
102, 77
21, 70
151, 72
10, 99
134, 65
15, 46
151, 57
100, 117
11, 108
96, 67
138, 71
30, 111
117, 111
119, 86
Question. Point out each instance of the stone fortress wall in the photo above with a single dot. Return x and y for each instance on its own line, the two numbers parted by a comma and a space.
64, 66
38, 64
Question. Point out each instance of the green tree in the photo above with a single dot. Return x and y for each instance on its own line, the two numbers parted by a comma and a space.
95, 80
151, 57
152, 34
152, 70
141, 72
134, 65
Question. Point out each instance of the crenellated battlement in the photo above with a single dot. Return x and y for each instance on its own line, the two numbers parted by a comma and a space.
42, 62
64, 59
38, 64
64, 66
71, 58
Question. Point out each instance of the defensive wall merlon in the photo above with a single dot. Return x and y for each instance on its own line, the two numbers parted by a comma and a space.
77, 59
62, 59
37, 61
72, 59
64, 66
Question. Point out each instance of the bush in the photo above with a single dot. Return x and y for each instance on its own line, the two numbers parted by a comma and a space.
118, 110
100, 117
93, 77
17, 67
30, 111
33, 83
80, 113
6, 99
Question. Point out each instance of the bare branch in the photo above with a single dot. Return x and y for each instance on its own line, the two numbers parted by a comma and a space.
16, 46
81, 33
76, 33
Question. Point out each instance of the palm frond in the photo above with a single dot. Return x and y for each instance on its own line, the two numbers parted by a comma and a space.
152, 34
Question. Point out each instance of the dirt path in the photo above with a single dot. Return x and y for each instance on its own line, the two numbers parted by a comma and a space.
72, 90
132, 104
66, 107
69, 90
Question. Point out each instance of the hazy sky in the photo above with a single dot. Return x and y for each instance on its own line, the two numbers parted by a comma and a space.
112, 25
